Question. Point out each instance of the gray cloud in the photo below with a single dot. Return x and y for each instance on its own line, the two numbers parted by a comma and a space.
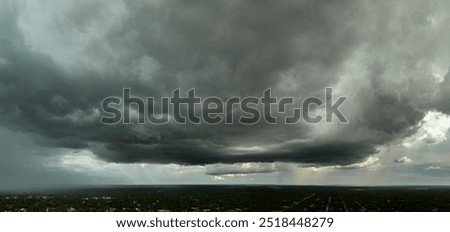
403, 160
244, 168
23, 165
385, 59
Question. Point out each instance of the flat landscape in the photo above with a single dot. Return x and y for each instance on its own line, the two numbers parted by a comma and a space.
230, 198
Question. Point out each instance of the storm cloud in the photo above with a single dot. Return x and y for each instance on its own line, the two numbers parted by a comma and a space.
59, 60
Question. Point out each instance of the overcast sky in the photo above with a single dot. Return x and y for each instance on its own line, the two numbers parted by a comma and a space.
60, 59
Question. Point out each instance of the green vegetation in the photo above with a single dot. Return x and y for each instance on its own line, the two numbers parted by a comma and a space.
231, 198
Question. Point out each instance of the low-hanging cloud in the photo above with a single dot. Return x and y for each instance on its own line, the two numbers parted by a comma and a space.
390, 58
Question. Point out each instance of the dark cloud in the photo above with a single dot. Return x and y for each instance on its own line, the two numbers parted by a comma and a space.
191, 152
378, 55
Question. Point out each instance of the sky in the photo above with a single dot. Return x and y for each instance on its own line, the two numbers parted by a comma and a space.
60, 59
